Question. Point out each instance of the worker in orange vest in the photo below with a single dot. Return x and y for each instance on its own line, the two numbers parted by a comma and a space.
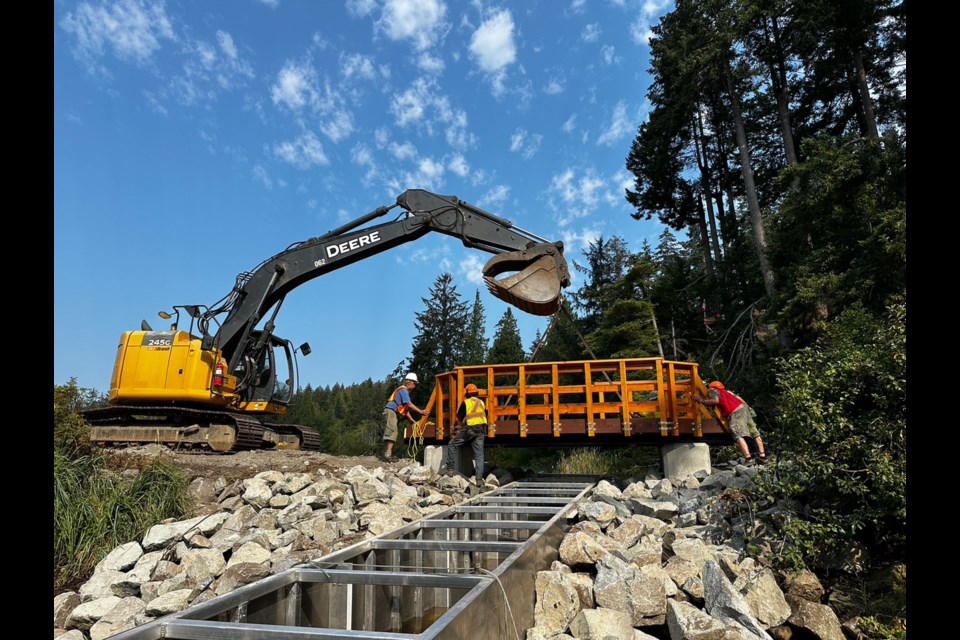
472, 419
398, 404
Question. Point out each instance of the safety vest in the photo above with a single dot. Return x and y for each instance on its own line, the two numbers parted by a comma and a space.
476, 412
401, 408
728, 402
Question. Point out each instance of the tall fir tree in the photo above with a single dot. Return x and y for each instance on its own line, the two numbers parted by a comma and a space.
438, 345
475, 335
507, 346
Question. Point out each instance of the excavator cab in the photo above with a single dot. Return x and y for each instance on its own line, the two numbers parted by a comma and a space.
539, 273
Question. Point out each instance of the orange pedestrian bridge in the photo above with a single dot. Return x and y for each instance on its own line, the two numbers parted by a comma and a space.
620, 402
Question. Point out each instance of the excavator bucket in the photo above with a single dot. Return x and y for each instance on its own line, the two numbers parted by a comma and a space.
540, 273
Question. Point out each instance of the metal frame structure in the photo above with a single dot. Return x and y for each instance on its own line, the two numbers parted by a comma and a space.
467, 572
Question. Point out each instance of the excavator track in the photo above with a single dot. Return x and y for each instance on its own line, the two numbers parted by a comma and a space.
295, 436
219, 431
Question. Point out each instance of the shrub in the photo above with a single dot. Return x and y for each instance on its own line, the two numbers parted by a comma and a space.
842, 409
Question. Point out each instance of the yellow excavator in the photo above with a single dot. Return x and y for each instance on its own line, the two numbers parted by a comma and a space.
209, 386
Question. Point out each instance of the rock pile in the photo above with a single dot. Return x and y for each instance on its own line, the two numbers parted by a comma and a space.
667, 559
660, 558
244, 531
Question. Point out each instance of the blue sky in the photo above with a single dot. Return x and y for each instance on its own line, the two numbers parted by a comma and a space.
192, 140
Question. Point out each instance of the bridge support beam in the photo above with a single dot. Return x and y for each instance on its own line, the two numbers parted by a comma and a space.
685, 459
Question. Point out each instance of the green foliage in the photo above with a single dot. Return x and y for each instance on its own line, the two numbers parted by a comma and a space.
474, 337
70, 433
94, 508
843, 414
507, 347
854, 249
437, 347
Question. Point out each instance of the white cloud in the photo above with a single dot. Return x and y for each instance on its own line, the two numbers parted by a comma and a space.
431, 169
209, 69
423, 106
261, 175
640, 27
403, 151
492, 44
356, 65
553, 87
409, 107
428, 175
381, 136
430, 63
361, 154
494, 198
524, 144
470, 269
295, 86
131, 29
303, 152
420, 21
273, 4
608, 53
339, 126
591, 32
619, 127
458, 165
361, 8
225, 40
573, 196
570, 124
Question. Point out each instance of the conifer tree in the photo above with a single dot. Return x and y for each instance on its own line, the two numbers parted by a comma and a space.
474, 335
438, 344
507, 346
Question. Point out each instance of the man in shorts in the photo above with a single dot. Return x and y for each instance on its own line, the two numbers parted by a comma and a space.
398, 404
737, 413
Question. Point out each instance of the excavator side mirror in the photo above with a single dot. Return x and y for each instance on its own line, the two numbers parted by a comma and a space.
164, 315
305, 349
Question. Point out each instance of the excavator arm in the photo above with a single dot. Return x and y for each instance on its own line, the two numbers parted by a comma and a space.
539, 270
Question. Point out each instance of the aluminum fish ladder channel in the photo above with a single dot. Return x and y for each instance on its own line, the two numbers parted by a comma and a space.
466, 572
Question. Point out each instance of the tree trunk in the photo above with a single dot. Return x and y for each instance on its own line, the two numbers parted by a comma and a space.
753, 203
778, 77
870, 120
703, 163
750, 189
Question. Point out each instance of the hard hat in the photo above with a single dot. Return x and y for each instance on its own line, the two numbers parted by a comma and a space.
412, 376
716, 384
471, 388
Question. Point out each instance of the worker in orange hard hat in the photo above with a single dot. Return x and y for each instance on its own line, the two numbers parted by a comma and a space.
472, 419
738, 415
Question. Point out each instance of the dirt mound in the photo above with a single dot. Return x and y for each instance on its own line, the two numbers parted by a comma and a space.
245, 464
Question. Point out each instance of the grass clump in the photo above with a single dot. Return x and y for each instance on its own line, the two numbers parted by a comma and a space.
96, 509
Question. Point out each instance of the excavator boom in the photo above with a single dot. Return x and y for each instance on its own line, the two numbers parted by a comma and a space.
176, 387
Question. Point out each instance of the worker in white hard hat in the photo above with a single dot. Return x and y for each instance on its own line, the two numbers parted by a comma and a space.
398, 404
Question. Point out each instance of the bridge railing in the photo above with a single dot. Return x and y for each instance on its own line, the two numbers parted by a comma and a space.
577, 402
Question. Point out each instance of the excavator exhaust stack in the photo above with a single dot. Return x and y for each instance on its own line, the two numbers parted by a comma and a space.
540, 272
